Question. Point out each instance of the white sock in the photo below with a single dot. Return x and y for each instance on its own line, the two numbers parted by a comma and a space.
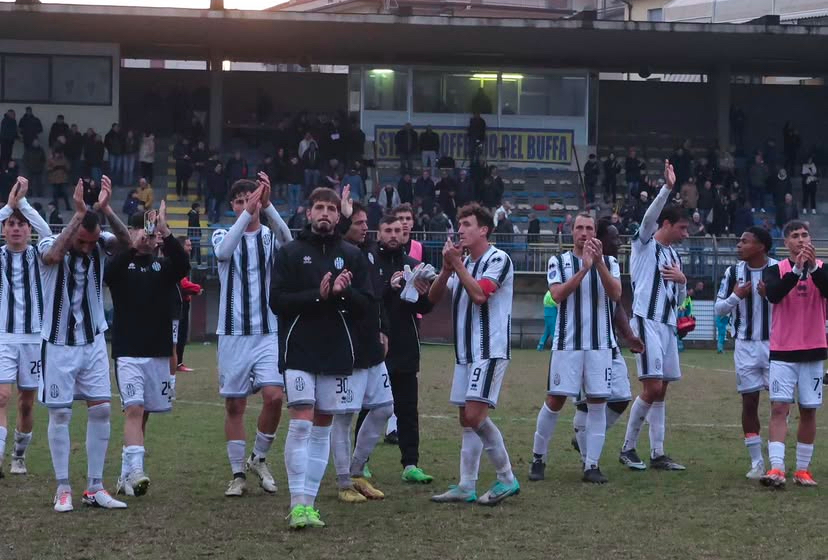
656, 418
262, 444
596, 433
319, 448
638, 413
612, 417
236, 452
58, 435
368, 437
579, 423
776, 454
21, 443
3, 433
754, 447
97, 441
496, 450
392, 424
544, 430
124, 464
341, 447
470, 451
296, 459
804, 452
134, 455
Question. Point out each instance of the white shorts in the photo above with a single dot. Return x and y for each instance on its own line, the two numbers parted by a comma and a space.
248, 363
660, 359
328, 394
571, 370
620, 379
804, 376
175, 331
377, 386
144, 382
752, 359
480, 382
20, 363
74, 373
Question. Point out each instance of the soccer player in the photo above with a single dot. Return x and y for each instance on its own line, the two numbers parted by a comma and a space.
583, 282
621, 394
73, 354
320, 285
659, 286
481, 287
798, 288
742, 297
248, 346
21, 305
141, 335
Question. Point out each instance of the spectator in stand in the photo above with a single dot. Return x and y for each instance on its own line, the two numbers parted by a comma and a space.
216, 191
331, 176
93, 153
356, 143
641, 206
30, 128
194, 232
634, 171
299, 219
690, 195
783, 184
810, 182
279, 179
236, 168
406, 143
114, 144
182, 153
424, 189
742, 218
74, 153
696, 226
791, 142
8, 178
477, 134
758, 177
311, 163
707, 197
445, 184
8, 135
787, 211
448, 202
465, 189
131, 147
565, 229
592, 170
405, 188
146, 156
429, 148
196, 130
504, 229
58, 128
34, 159
374, 212
357, 185
440, 222
199, 158
131, 204
720, 223
145, 193
294, 176
612, 167
58, 175
54, 218
491, 191
682, 164
533, 230
91, 192
388, 198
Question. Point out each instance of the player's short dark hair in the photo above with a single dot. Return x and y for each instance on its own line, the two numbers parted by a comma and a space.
18, 215
586, 215
388, 219
673, 214
242, 186
794, 225
481, 214
136, 221
359, 207
762, 235
195, 206
403, 208
182, 239
90, 222
324, 194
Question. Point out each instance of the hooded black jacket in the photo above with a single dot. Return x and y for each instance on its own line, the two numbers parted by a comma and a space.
315, 334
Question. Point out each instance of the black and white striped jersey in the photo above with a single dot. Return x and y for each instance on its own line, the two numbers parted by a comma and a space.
21, 293
750, 318
585, 316
73, 310
654, 297
482, 332
245, 261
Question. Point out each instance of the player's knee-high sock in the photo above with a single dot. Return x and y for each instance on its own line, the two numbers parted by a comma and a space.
296, 459
341, 446
656, 418
470, 452
496, 450
97, 441
319, 448
753, 442
21, 443
124, 464
544, 430
368, 437
236, 452
776, 454
596, 433
262, 444
58, 434
134, 458
638, 413
3, 433
804, 452
579, 423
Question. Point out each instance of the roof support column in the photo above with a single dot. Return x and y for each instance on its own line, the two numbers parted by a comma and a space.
721, 88
216, 102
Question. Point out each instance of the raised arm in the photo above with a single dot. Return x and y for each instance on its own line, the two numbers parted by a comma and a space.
178, 259
17, 199
122, 239
649, 223
225, 243
278, 225
58, 248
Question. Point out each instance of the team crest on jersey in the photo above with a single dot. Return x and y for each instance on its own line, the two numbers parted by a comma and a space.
156, 266
131, 266
130, 390
556, 379
497, 259
775, 387
221, 380
307, 260
54, 392
300, 384
348, 397
339, 263
266, 240
658, 364
371, 258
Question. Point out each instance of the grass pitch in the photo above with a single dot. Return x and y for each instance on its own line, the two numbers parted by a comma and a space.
709, 511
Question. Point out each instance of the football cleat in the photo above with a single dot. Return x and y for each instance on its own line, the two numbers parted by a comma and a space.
665, 463
416, 475
236, 488
351, 496
774, 478
804, 478
102, 499
499, 492
756, 472
367, 489
297, 517
537, 470
139, 482
630, 459
18, 465
122, 487
313, 519
63, 502
455, 494
593, 475
258, 467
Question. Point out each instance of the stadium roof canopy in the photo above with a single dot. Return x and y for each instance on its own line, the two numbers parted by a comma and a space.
325, 38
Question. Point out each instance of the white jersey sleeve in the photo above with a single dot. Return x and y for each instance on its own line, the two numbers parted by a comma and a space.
649, 224
498, 268
553, 271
